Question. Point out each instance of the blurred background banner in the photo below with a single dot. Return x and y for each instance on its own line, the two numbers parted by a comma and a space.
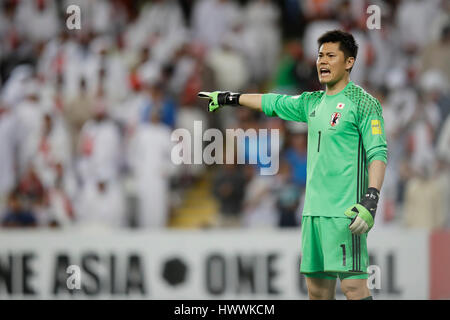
207, 265
87, 115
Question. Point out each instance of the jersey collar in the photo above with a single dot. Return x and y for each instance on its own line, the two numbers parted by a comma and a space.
350, 83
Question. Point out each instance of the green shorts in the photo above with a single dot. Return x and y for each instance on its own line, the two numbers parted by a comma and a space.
330, 250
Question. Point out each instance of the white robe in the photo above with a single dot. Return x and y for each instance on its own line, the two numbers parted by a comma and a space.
99, 150
35, 24
51, 150
186, 118
259, 203
264, 34
59, 207
29, 116
8, 142
211, 19
96, 209
149, 155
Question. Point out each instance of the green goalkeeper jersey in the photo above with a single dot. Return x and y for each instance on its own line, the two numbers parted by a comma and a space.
345, 134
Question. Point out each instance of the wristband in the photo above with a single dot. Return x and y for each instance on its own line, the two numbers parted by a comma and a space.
370, 200
229, 99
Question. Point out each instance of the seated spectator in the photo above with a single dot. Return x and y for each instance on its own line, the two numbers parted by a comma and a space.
160, 102
294, 74
16, 215
229, 187
8, 145
101, 203
59, 204
78, 111
259, 210
424, 200
296, 157
228, 65
288, 198
52, 146
31, 187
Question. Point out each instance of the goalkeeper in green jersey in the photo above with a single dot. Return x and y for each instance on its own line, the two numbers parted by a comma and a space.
347, 155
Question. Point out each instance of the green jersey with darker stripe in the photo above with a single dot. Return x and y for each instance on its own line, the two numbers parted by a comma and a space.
345, 134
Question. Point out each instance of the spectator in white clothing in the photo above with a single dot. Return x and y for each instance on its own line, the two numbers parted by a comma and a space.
259, 206
29, 116
8, 144
99, 146
212, 19
261, 17
52, 146
101, 203
413, 19
38, 19
149, 154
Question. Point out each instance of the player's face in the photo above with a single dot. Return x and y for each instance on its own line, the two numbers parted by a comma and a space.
331, 63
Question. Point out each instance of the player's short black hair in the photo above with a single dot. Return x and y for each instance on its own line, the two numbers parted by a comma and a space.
347, 43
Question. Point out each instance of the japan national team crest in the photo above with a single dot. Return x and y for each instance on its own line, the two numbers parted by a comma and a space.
335, 119
340, 105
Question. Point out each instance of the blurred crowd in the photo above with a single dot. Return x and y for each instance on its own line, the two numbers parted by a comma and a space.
86, 115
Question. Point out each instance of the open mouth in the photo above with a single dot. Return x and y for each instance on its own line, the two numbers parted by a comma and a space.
324, 71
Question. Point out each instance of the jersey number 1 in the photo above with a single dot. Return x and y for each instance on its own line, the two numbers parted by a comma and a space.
343, 254
318, 143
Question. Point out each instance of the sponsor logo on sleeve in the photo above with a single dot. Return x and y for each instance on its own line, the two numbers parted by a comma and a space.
376, 127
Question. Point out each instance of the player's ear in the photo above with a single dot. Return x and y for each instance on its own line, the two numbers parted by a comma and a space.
350, 61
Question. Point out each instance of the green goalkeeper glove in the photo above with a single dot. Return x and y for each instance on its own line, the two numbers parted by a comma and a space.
363, 213
219, 99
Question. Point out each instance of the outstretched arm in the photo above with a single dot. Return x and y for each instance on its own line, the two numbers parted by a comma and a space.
252, 101
218, 99
284, 106
377, 169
